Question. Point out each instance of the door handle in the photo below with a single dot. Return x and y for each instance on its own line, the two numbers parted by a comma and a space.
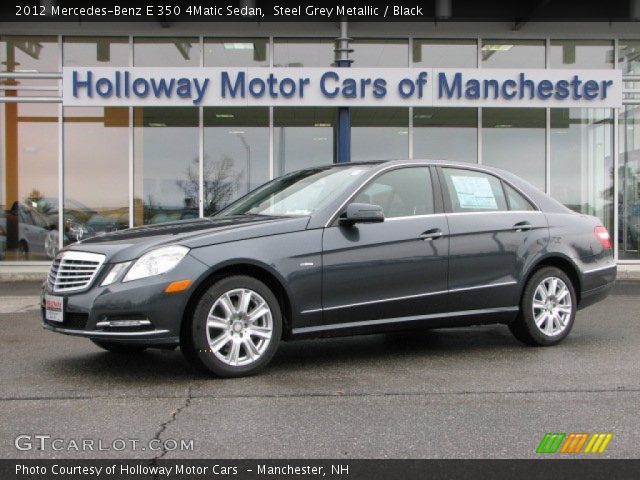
522, 226
431, 234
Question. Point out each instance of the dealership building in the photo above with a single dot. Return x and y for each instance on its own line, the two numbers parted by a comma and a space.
107, 161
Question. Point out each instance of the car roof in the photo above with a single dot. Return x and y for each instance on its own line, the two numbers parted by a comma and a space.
411, 161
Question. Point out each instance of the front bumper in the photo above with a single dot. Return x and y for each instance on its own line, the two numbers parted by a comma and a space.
159, 314
147, 337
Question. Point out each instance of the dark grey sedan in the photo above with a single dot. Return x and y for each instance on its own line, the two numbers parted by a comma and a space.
338, 250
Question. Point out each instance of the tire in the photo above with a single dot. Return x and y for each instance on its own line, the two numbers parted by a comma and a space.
235, 328
549, 321
119, 348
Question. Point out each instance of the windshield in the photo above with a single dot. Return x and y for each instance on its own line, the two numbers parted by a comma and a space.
298, 193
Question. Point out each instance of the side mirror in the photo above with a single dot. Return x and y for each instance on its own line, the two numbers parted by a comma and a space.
362, 213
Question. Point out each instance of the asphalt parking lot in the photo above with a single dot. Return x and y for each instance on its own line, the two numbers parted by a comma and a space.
473, 392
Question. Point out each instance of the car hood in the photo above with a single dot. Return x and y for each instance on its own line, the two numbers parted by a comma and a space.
129, 244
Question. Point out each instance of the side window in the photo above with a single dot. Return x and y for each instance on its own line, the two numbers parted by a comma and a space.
471, 191
516, 200
401, 193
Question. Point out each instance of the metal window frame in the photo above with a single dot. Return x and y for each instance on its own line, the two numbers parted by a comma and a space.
479, 145
616, 161
61, 182
410, 123
131, 134
272, 168
547, 127
201, 141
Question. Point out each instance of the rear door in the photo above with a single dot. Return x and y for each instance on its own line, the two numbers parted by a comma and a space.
494, 230
396, 269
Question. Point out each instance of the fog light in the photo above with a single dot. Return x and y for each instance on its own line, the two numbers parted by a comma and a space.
177, 286
123, 323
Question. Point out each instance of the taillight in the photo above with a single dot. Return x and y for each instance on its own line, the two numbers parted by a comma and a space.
603, 237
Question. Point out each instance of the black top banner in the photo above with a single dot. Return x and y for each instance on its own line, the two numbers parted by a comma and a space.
169, 11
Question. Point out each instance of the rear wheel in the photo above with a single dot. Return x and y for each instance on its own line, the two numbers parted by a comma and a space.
547, 308
120, 348
235, 329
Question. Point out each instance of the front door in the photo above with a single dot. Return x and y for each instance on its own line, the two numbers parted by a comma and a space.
389, 272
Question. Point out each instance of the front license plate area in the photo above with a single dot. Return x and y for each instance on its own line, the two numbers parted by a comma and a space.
54, 308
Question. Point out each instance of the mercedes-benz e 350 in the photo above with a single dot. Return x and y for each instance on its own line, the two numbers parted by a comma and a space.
336, 250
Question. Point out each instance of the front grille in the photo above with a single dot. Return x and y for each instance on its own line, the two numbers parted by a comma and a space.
73, 271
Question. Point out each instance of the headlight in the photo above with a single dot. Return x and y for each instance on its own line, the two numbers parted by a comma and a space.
156, 262
115, 273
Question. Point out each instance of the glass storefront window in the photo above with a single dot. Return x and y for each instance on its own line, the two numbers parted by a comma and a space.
29, 181
514, 139
513, 53
236, 154
379, 133
582, 160
581, 54
629, 184
303, 52
29, 54
236, 52
629, 56
95, 51
446, 134
96, 197
96, 159
302, 137
380, 53
166, 177
166, 52
445, 53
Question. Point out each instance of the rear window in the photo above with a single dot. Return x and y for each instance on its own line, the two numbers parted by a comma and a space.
516, 200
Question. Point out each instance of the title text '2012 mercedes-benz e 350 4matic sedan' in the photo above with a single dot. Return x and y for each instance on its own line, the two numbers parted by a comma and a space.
336, 250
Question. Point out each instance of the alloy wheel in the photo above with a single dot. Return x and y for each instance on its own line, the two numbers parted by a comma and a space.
552, 306
239, 327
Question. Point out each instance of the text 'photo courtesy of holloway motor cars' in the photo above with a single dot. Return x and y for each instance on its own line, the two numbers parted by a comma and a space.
339, 250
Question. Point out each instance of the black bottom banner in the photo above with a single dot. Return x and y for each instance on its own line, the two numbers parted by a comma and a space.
316, 469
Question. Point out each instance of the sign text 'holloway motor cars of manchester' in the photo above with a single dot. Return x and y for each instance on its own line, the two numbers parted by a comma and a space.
349, 87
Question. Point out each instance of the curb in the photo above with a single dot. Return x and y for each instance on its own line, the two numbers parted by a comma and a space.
21, 277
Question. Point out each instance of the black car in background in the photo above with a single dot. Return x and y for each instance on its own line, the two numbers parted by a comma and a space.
339, 250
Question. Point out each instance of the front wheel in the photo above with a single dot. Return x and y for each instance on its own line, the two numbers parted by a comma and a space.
547, 309
235, 329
